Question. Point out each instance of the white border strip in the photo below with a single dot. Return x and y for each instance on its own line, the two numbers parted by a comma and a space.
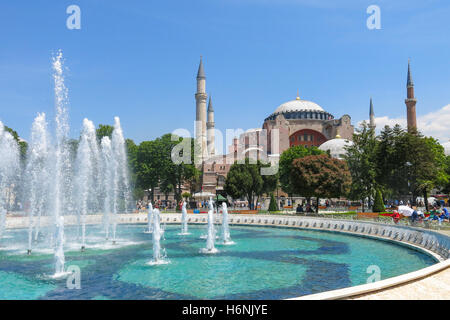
377, 286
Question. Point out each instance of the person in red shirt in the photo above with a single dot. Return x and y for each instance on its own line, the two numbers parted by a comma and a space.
396, 216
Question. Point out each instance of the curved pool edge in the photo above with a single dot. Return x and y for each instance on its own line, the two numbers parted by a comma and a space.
374, 287
432, 243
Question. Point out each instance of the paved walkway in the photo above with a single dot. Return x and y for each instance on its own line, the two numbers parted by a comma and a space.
434, 287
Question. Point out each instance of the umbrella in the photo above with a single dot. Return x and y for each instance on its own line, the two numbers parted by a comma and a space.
219, 197
204, 195
405, 210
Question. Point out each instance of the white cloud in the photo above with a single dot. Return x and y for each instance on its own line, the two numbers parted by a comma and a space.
435, 124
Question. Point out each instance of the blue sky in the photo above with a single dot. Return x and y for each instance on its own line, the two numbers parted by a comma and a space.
138, 60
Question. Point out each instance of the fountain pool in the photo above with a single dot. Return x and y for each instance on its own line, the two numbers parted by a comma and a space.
265, 263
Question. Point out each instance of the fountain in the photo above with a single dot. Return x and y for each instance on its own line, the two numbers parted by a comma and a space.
211, 235
184, 224
107, 175
61, 184
37, 176
120, 173
87, 163
149, 219
59, 250
9, 172
158, 258
226, 238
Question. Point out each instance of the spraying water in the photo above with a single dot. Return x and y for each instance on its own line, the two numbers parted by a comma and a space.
9, 172
37, 176
87, 164
211, 236
107, 181
62, 169
158, 258
184, 224
59, 250
120, 169
149, 219
226, 238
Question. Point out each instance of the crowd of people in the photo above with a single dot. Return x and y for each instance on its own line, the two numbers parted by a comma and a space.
437, 213
161, 204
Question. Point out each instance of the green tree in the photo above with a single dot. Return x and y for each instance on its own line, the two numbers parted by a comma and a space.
446, 186
245, 180
391, 160
132, 150
177, 173
378, 205
149, 166
138, 193
409, 163
320, 176
430, 167
23, 145
186, 195
104, 131
286, 164
273, 206
360, 159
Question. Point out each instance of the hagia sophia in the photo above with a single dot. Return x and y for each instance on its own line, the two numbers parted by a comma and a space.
296, 122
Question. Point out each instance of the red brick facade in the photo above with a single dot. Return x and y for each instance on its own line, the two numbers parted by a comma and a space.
307, 137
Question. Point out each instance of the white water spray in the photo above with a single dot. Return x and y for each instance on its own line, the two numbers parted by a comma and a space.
87, 168
184, 224
226, 238
107, 180
150, 218
37, 176
9, 172
120, 169
62, 169
211, 236
158, 257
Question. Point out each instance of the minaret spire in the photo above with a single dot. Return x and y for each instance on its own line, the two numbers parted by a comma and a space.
201, 70
210, 105
409, 82
200, 121
410, 102
372, 124
210, 129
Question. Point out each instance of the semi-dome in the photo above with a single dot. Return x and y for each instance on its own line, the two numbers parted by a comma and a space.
336, 147
298, 105
446, 148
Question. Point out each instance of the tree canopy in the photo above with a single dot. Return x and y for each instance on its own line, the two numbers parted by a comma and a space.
155, 166
245, 180
320, 176
286, 163
360, 159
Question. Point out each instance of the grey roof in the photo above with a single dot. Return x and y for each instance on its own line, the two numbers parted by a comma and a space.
201, 71
410, 82
210, 105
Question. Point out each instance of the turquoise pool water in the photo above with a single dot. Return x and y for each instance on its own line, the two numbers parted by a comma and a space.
265, 263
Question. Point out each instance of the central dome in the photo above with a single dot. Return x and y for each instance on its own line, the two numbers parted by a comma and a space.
298, 105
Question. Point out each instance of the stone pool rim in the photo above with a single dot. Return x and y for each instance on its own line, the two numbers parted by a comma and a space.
437, 245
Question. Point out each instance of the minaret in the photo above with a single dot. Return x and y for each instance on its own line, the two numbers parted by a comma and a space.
410, 101
210, 129
200, 98
372, 124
